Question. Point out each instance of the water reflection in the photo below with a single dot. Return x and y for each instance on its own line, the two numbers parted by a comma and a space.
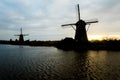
49, 63
102, 66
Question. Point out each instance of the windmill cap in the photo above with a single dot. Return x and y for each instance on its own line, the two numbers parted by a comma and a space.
81, 22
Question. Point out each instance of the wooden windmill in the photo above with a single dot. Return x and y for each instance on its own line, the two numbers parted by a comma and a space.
80, 30
21, 36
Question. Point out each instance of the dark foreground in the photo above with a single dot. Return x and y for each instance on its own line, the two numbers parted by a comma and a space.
71, 44
49, 63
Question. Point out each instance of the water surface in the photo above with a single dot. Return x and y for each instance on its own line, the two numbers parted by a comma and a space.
49, 63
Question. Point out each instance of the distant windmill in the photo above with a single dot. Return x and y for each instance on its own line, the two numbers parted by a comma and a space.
80, 30
21, 36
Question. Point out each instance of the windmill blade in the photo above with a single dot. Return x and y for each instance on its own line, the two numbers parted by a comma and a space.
78, 12
89, 22
88, 27
25, 34
16, 35
73, 27
20, 30
69, 24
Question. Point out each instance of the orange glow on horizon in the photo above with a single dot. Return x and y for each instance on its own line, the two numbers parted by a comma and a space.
101, 37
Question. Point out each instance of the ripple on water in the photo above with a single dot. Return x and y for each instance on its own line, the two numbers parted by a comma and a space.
48, 63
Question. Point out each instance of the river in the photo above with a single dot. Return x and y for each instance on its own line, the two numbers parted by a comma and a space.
49, 63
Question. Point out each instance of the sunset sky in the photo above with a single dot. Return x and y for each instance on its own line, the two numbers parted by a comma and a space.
42, 19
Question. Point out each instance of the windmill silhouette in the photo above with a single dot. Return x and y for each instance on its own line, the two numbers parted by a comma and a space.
21, 36
80, 30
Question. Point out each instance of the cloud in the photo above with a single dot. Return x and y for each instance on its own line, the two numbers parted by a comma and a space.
43, 18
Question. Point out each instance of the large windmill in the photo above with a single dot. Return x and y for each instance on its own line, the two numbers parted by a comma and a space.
80, 30
21, 36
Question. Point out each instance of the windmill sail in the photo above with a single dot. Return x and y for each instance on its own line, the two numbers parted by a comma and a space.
68, 24
78, 12
91, 21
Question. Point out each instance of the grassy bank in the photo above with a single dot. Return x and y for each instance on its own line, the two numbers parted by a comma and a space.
71, 44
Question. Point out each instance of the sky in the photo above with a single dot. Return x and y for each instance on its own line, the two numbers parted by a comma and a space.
42, 19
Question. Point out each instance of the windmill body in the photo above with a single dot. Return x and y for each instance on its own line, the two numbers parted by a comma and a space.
21, 36
21, 39
80, 31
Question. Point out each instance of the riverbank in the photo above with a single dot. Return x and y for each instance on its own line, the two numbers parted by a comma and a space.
71, 44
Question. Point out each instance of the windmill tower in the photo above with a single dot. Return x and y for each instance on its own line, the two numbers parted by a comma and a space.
21, 36
80, 30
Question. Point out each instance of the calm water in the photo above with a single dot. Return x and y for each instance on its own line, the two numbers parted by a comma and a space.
49, 63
